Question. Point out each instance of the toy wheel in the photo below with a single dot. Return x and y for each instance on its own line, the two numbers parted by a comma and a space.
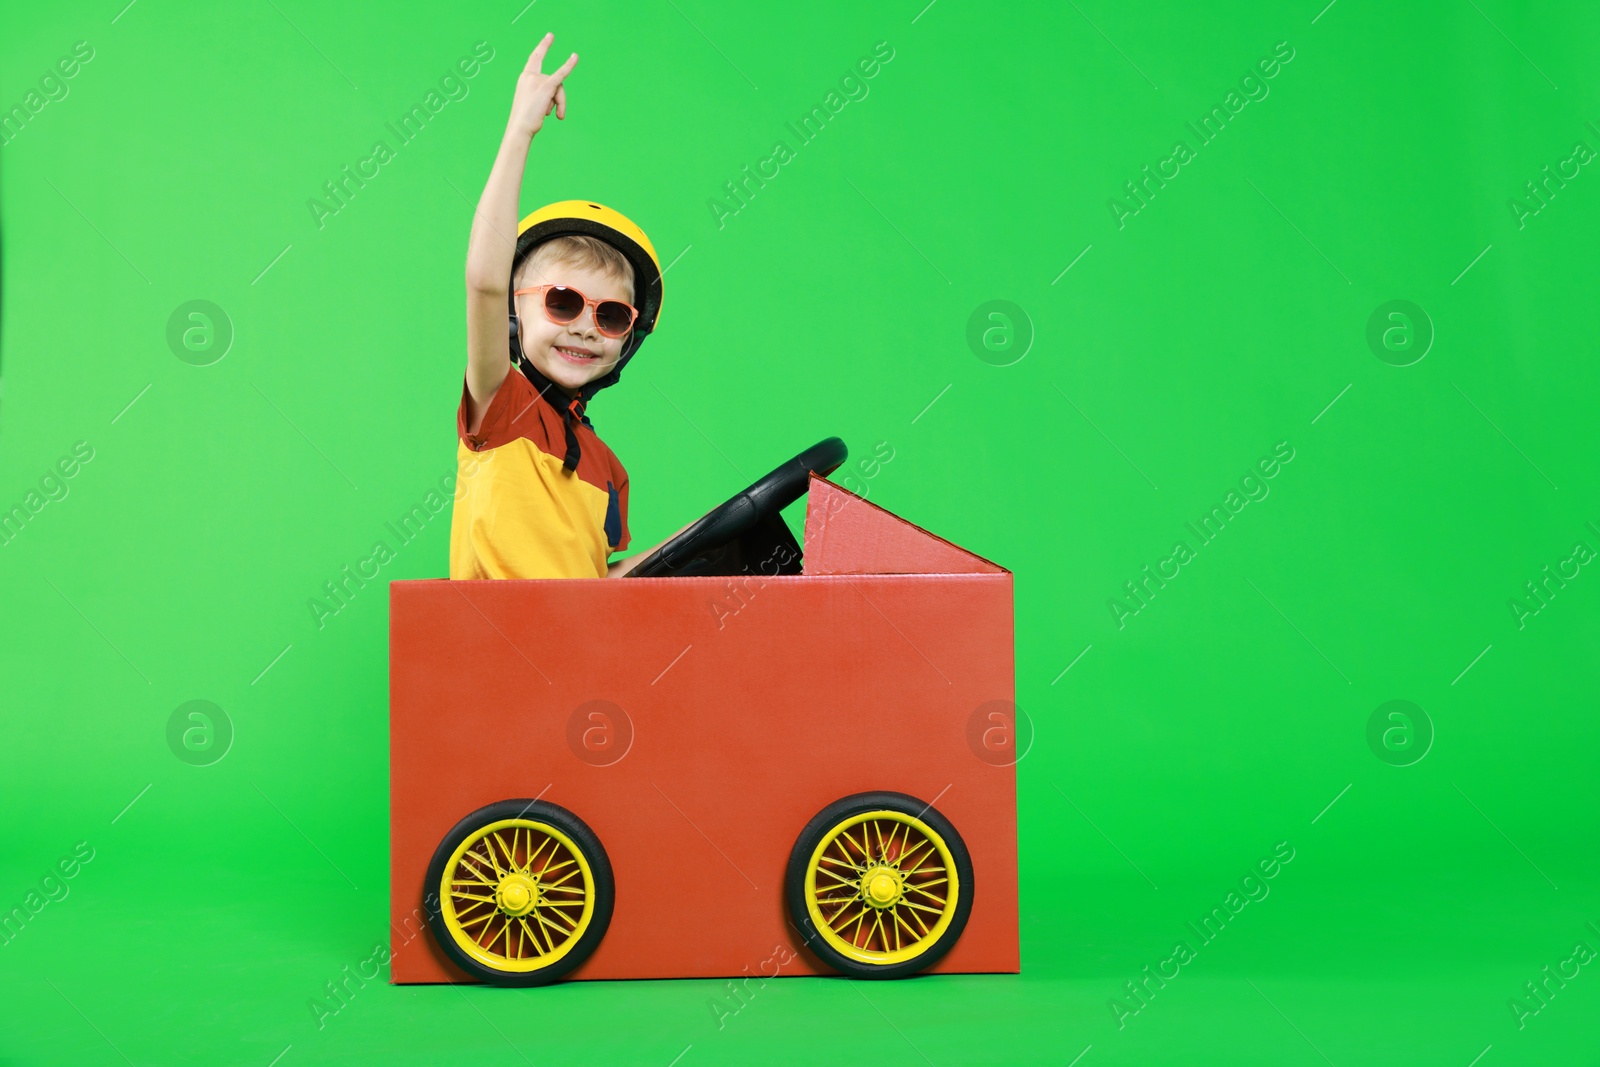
880, 885
519, 893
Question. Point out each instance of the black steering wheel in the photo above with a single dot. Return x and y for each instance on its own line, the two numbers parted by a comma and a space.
733, 536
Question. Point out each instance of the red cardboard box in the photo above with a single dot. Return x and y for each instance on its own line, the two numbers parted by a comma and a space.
735, 709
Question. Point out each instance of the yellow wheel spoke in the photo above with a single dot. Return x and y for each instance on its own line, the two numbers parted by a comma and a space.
923, 907
899, 922
508, 851
462, 868
474, 921
459, 895
577, 902
845, 856
841, 879
550, 927
836, 900
494, 856
566, 927
561, 882
846, 835
567, 917
833, 922
488, 847
490, 946
550, 860
864, 931
527, 935
552, 868
540, 931
905, 857
533, 855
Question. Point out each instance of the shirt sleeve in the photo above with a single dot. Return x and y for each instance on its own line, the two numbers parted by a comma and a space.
507, 417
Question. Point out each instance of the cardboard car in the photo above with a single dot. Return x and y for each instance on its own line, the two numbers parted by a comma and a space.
803, 764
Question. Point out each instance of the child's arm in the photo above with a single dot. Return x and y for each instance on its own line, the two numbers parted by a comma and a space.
494, 228
621, 567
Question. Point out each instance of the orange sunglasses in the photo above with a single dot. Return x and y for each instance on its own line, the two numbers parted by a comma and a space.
563, 304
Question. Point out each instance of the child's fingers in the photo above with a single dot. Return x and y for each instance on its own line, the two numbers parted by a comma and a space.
565, 68
536, 61
561, 101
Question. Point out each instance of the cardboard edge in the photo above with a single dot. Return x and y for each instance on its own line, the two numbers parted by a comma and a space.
998, 568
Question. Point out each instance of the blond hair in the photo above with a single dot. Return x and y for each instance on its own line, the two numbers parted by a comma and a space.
578, 250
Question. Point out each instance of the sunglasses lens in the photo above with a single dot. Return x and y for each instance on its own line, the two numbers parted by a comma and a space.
563, 304
613, 317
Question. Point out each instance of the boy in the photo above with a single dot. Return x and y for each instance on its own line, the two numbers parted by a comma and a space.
538, 494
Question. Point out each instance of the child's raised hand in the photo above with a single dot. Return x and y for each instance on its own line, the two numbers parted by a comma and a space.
539, 93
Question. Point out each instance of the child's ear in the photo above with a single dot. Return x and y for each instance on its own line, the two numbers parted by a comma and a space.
516, 342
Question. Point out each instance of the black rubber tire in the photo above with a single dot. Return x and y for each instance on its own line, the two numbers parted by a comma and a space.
794, 882
599, 866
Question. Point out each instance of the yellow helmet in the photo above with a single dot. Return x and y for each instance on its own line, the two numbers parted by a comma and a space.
569, 217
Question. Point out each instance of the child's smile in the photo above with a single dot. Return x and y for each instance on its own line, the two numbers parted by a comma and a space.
577, 355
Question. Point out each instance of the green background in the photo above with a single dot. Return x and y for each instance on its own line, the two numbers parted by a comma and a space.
1228, 315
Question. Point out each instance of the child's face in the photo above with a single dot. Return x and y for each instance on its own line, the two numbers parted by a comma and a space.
574, 354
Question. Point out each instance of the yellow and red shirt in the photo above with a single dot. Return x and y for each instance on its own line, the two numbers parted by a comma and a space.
518, 512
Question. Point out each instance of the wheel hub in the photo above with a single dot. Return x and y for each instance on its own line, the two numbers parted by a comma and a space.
516, 894
880, 887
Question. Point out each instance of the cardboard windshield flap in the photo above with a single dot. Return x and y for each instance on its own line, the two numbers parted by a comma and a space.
737, 709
